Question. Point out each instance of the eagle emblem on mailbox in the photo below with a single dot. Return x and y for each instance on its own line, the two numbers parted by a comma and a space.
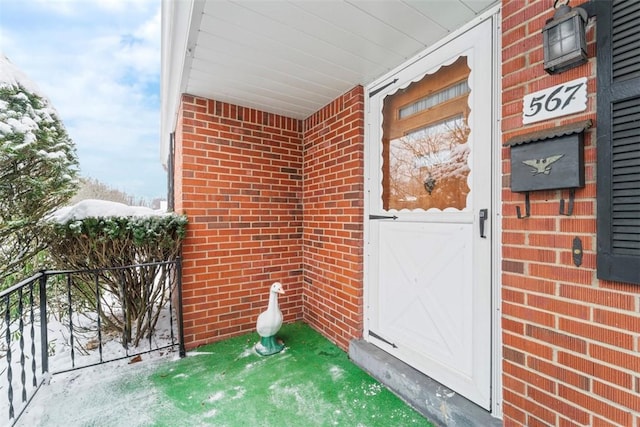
542, 165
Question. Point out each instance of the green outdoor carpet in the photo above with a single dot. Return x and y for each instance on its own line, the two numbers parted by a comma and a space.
310, 383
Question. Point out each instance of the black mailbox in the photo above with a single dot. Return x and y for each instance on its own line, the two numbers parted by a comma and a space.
548, 160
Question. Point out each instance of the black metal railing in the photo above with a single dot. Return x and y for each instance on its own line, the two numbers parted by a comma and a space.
58, 321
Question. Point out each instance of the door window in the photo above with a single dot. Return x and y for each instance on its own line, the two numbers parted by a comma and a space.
424, 139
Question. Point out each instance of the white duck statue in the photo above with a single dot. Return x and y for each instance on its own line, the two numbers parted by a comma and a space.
269, 323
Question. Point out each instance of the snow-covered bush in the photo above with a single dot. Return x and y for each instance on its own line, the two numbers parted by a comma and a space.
95, 234
38, 167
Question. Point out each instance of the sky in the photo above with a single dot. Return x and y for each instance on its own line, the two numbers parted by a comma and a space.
98, 62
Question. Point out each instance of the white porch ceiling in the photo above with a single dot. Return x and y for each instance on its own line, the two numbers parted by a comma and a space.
293, 57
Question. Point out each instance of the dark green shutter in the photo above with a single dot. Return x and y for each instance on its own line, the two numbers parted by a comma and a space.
618, 144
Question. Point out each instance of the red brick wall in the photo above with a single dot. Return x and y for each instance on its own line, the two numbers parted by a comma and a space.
178, 164
246, 179
570, 341
333, 200
239, 180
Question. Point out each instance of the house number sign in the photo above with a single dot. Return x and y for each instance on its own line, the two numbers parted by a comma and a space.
556, 101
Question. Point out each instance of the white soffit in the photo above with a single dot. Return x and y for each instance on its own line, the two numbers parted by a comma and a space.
294, 57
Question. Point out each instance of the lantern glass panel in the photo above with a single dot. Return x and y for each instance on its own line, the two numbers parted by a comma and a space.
562, 39
564, 42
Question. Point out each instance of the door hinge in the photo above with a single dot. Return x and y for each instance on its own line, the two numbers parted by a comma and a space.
383, 217
381, 88
376, 336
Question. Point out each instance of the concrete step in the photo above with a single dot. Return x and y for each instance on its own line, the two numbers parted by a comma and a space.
434, 401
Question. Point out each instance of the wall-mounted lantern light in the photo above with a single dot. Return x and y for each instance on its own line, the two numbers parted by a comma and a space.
564, 39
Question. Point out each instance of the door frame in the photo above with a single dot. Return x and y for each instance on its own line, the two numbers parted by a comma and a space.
495, 215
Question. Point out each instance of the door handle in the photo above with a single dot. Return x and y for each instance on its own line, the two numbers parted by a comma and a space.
484, 215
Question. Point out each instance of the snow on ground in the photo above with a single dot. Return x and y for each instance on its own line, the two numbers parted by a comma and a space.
97, 390
94, 380
86, 350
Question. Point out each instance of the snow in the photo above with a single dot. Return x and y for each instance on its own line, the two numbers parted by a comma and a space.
46, 401
336, 373
96, 386
92, 208
4, 128
54, 155
24, 125
10, 75
22, 116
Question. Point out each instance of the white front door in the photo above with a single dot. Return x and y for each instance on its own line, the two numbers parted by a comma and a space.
429, 188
